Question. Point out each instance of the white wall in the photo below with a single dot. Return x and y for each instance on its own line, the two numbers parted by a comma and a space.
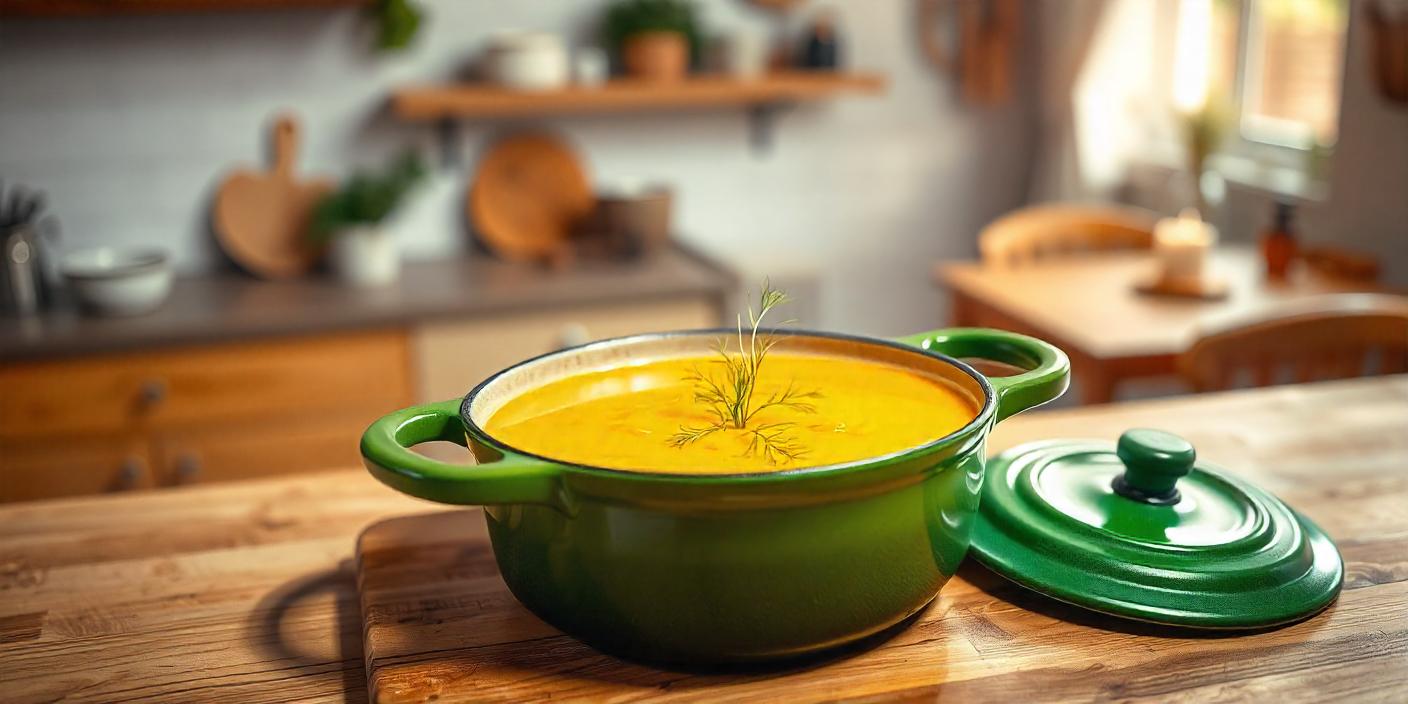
129, 122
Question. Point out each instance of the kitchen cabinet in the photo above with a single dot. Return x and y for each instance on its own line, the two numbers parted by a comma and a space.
137, 420
86, 464
235, 378
452, 357
278, 445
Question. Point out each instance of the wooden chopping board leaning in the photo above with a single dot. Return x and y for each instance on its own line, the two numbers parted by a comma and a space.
261, 215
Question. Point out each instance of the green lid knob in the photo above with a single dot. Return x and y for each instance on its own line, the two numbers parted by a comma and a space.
1153, 463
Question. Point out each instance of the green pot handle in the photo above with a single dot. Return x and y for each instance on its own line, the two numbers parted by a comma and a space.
1048, 370
511, 479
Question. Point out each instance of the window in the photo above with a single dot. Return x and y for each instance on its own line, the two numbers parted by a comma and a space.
1271, 69
1292, 59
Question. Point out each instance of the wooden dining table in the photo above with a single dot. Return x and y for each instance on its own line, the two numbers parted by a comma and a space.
1087, 305
247, 592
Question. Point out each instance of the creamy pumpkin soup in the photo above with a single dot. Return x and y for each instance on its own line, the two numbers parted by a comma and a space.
684, 415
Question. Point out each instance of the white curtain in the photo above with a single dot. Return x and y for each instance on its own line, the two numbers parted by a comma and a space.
1103, 94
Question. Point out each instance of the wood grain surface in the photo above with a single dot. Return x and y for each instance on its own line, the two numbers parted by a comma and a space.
1088, 307
529, 193
246, 592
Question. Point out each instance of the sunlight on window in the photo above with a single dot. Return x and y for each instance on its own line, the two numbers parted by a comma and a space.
1191, 69
1294, 53
1277, 63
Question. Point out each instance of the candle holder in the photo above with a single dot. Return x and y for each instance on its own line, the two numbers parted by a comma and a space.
1181, 247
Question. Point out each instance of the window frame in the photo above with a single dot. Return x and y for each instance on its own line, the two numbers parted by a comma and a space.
1256, 138
1276, 167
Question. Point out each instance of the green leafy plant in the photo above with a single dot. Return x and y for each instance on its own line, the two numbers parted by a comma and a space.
397, 23
627, 18
728, 390
1203, 131
366, 198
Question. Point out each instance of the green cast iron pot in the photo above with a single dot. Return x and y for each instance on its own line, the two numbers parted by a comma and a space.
708, 569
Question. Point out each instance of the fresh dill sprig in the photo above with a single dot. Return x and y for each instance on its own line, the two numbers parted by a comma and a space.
687, 434
775, 444
728, 395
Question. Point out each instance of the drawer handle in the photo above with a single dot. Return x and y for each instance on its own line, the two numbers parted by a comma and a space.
153, 392
130, 474
188, 468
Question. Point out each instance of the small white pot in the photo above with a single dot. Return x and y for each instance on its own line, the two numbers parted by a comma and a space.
743, 55
365, 256
528, 61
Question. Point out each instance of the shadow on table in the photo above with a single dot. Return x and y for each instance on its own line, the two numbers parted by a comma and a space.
314, 655
447, 626
561, 666
998, 587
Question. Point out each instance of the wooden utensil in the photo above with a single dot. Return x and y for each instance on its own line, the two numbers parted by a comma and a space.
261, 216
982, 56
529, 193
1389, 51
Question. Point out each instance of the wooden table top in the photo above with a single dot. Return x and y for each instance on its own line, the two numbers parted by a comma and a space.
1088, 302
246, 592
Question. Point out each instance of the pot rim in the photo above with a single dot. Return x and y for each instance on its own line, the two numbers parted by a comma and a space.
983, 418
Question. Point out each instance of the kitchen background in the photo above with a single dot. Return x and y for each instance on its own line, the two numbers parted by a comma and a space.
129, 124
861, 188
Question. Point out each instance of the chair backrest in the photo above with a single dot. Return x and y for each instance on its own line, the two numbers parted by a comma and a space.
1340, 263
1042, 231
1333, 337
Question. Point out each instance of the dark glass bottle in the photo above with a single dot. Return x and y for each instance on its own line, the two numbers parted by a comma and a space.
821, 47
1278, 243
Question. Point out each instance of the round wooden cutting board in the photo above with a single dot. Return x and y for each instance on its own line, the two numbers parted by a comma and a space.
261, 217
528, 194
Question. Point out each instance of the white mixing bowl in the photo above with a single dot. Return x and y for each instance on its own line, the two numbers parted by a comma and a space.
119, 280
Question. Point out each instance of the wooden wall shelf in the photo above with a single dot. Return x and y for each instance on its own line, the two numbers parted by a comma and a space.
763, 97
81, 8
623, 95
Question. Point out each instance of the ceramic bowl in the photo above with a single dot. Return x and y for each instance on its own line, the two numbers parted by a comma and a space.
720, 568
527, 61
118, 280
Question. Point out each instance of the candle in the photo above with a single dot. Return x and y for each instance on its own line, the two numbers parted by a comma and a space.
1182, 245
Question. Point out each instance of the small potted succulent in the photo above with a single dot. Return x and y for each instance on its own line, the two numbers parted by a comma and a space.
652, 39
360, 251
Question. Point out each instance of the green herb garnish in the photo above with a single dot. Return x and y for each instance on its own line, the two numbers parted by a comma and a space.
728, 396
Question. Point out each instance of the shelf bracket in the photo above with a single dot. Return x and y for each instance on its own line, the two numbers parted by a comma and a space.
761, 120
447, 132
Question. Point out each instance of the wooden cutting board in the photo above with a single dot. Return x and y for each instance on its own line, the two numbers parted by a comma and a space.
440, 625
261, 216
530, 192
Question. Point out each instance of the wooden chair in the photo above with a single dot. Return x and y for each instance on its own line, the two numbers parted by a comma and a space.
1042, 231
1340, 263
1333, 337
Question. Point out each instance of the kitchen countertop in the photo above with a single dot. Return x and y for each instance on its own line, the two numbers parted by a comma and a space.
246, 592
229, 306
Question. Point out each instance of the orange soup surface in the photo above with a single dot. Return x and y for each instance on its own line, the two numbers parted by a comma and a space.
650, 417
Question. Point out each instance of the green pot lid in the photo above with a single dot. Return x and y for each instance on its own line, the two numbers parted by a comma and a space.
1142, 530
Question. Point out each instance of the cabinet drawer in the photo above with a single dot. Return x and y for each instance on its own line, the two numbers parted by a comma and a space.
272, 447
201, 384
453, 357
68, 466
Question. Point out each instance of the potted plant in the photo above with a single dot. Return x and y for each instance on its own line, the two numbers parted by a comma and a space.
653, 39
348, 220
